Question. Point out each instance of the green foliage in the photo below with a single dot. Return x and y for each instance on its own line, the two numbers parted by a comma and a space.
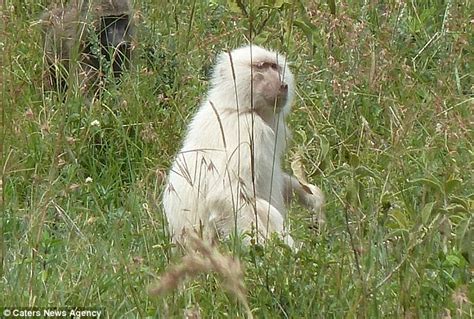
383, 120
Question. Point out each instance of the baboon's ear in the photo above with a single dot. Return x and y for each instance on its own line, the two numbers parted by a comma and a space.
219, 69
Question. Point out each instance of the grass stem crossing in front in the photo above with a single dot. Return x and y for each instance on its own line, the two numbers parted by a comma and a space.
382, 122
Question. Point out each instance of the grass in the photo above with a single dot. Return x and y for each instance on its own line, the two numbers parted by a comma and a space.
383, 121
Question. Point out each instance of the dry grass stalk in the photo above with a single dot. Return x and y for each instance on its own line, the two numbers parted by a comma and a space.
203, 258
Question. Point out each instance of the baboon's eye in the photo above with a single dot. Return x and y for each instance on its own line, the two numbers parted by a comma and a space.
267, 65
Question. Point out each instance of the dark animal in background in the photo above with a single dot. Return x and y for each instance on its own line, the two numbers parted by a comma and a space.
87, 40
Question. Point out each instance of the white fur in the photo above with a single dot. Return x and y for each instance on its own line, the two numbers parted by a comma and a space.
228, 176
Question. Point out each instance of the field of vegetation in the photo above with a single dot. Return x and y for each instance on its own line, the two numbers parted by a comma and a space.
383, 122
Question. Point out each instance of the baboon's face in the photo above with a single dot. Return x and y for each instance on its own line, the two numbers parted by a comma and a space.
114, 30
115, 40
270, 88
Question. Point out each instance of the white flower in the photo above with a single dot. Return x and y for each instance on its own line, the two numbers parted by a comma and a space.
88, 180
95, 123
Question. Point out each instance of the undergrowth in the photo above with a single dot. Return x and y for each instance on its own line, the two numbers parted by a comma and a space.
383, 121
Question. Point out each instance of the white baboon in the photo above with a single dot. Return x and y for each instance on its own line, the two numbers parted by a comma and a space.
83, 35
227, 177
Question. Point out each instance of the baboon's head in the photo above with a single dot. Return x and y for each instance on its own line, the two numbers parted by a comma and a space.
256, 78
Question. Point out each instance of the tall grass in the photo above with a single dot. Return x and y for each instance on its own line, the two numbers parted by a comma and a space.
383, 121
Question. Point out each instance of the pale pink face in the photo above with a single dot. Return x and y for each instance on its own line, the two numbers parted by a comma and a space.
258, 79
269, 88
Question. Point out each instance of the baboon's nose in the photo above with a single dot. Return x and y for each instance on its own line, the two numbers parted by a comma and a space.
284, 86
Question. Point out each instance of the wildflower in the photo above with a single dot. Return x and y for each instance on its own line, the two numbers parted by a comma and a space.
95, 123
